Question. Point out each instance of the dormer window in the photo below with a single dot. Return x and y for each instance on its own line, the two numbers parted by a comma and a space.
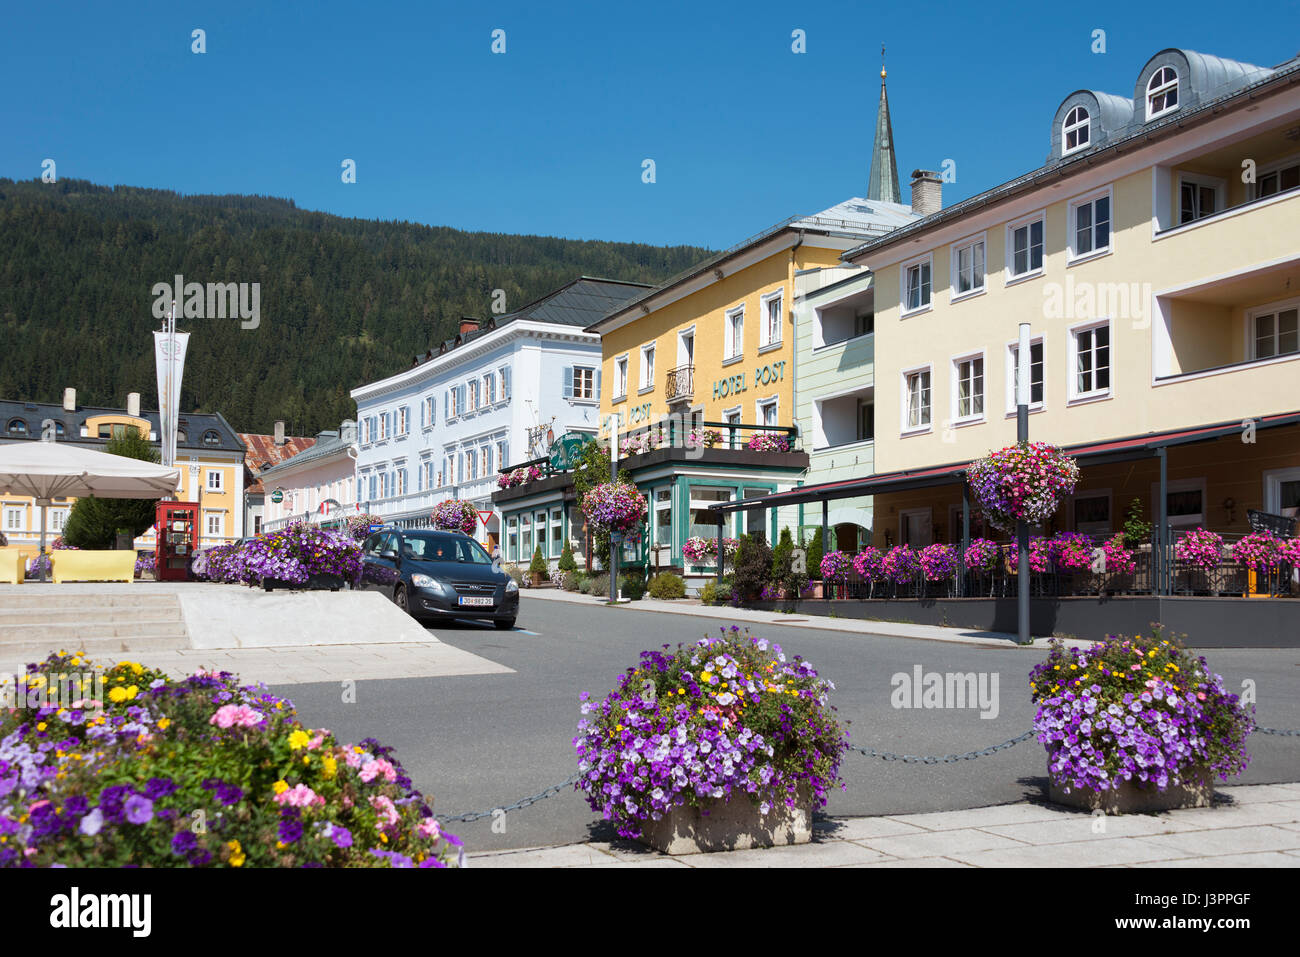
1075, 130
17, 427
211, 437
1162, 92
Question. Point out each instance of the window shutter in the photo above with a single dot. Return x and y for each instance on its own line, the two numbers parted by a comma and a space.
597, 385
567, 384
505, 383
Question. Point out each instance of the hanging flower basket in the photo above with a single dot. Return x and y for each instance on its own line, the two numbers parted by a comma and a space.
455, 515
1023, 482
359, 525
615, 507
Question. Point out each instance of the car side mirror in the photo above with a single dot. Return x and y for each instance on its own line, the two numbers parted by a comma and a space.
390, 555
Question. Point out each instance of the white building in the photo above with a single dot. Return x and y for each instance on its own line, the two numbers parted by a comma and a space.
490, 398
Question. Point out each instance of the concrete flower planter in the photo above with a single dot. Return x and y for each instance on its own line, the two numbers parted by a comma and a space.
318, 582
729, 825
1196, 791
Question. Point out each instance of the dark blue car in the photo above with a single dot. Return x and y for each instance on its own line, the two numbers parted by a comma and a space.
435, 574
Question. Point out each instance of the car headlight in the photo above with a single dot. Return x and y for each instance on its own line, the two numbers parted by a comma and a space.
512, 586
424, 581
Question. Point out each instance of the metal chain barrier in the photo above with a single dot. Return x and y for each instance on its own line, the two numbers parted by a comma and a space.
867, 752
517, 806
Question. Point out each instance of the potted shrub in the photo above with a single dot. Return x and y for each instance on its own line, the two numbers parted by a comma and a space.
667, 586
900, 566
1121, 564
939, 564
735, 746
981, 558
1136, 725
835, 567
870, 566
1199, 553
139, 753
537, 568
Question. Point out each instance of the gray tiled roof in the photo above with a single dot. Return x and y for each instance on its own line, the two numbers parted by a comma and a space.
194, 424
326, 444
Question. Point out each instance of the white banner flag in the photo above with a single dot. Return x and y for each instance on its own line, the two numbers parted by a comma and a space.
169, 355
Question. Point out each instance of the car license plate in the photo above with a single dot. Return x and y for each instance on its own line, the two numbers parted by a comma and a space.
475, 601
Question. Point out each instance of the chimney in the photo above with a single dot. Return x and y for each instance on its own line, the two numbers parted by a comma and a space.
279, 431
927, 192
468, 324
133, 404
69, 400
348, 431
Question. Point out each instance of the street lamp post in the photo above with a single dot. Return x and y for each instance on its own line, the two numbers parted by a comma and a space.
615, 540
1022, 528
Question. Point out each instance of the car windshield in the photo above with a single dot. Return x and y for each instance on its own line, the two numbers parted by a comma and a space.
445, 548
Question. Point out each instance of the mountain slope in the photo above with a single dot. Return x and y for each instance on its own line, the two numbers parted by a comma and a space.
343, 301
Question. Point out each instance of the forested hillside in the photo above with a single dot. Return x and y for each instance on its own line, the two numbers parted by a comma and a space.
343, 301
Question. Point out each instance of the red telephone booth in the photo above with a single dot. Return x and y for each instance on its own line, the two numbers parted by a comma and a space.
177, 538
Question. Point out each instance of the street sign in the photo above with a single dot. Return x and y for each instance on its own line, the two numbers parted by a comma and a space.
485, 517
565, 448
375, 528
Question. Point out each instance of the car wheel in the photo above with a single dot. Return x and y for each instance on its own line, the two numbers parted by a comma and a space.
399, 597
504, 624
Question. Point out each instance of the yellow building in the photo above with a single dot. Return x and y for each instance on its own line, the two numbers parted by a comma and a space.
1156, 257
209, 454
716, 344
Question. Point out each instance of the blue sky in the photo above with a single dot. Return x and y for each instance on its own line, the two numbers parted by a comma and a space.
550, 136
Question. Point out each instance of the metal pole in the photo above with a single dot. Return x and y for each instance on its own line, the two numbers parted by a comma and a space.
965, 536
722, 558
1163, 513
1022, 529
613, 477
40, 558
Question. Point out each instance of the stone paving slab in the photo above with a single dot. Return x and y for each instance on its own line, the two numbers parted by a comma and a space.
1245, 829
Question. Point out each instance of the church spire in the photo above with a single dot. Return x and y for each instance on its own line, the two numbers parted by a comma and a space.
883, 184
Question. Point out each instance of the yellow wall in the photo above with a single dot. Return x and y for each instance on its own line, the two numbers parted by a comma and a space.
1236, 243
706, 309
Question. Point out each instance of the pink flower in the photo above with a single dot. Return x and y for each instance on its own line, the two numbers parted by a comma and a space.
373, 769
353, 759
387, 810
299, 796
231, 715
429, 828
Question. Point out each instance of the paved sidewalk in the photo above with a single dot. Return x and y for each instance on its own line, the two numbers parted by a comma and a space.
730, 615
1249, 826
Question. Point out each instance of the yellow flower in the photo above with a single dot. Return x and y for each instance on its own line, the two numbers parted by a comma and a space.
383, 837
279, 787
330, 767
306, 759
299, 739
237, 856
164, 723
117, 695
41, 726
132, 691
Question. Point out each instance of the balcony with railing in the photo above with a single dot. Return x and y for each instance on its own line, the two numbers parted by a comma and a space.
680, 384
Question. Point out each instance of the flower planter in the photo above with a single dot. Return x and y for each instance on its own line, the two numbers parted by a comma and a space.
734, 824
318, 582
1129, 798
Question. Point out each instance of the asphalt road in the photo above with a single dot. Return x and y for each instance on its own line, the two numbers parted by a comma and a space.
479, 742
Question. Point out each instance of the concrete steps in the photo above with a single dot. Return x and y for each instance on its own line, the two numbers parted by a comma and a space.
105, 627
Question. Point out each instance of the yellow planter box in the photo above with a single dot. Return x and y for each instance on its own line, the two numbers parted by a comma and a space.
105, 566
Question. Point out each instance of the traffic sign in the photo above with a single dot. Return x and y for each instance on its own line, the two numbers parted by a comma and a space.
485, 517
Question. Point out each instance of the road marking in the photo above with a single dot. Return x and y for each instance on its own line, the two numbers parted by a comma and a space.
525, 631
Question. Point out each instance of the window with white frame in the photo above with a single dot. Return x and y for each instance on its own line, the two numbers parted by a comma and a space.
1277, 178
648, 366
1184, 502
767, 411
503, 453
512, 539
383, 425
403, 417
583, 383
1074, 130
916, 399
1162, 92
968, 388
215, 481
916, 285
1092, 512
1090, 226
734, 333
1198, 196
1091, 361
557, 532
968, 268
1035, 373
1026, 247
769, 333
15, 518
471, 466
57, 517
1274, 330
216, 524
473, 395
505, 382
429, 411
489, 388
620, 377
